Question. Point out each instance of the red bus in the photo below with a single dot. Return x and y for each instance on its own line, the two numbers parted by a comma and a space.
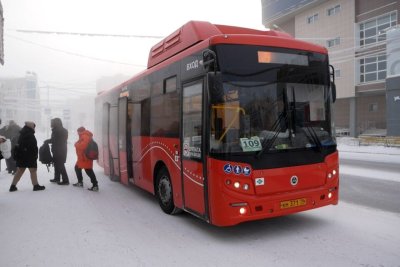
227, 123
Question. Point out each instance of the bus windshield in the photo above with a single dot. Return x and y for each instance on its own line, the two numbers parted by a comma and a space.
277, 102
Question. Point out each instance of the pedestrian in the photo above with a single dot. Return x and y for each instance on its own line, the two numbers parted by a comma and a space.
11, 131
83, 162
58, 141
27, 155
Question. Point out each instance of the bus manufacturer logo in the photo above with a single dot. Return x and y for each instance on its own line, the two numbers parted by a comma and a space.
294, 180
259, 181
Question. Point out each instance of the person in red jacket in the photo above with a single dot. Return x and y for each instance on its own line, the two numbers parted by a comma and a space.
83, 162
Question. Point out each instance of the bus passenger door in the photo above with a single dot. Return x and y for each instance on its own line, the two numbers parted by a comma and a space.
106, 139
110, 142
193, 158
135, 109
122, 139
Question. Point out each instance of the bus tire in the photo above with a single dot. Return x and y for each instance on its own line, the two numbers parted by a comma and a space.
164, 192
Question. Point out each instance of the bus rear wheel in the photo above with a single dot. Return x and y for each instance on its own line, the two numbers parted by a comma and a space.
164, 192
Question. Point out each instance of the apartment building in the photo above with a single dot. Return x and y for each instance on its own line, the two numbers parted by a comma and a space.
20, 99
355, 32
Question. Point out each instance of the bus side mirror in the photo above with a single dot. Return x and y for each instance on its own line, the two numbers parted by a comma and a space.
333, 90
209, 58
215, 88
332, 82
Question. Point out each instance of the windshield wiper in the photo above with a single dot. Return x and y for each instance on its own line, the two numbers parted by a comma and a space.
314, 137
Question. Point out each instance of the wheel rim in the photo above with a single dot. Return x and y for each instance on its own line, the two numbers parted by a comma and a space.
164, 190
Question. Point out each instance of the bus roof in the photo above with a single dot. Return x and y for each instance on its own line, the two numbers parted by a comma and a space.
194, 32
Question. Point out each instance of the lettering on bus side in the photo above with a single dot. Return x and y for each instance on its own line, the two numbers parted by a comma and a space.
192, 65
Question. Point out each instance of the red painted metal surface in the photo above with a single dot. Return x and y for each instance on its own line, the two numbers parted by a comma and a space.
263, 201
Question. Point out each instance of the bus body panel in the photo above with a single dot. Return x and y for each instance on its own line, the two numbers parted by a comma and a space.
147, 152
226, 200
193, 184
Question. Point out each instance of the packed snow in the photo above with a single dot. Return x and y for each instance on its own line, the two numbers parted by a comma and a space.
123, 226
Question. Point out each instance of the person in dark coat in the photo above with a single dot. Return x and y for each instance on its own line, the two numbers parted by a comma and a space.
58, 141
27, 156
11, 131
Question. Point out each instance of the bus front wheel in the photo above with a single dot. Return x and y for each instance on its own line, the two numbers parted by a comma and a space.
164, 192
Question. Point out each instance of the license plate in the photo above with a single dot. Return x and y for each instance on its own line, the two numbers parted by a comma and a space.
293, 203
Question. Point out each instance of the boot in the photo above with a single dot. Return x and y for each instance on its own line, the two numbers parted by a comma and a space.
63, 183
38, 187
78, 184
13, 188
55, 180
94, 188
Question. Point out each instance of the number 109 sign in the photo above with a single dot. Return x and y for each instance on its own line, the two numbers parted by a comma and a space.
250, 144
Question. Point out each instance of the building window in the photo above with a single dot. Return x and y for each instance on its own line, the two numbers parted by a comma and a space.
373, 107
312, 19
372, 69
374, 30
333, 11
333, 42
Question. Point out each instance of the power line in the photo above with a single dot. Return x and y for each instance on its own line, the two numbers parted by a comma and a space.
89, 34
74, 54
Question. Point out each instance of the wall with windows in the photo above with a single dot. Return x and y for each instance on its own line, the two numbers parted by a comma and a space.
355, 33
373, 19
331, 24
371, 113
371, 47
19, 99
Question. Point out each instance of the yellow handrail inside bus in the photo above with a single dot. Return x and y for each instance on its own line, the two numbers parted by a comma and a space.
237, 109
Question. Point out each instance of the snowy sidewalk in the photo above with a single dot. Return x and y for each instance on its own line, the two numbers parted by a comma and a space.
349, 150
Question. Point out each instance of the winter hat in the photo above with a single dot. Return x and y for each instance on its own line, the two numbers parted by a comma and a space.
30, 124
81, 129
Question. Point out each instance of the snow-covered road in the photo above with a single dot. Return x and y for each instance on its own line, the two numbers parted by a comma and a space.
123, 226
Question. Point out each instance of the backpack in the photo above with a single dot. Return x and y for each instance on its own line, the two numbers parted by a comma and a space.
92, 150
45, 156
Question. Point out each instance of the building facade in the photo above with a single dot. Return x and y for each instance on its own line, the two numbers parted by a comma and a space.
355, 34
20, 99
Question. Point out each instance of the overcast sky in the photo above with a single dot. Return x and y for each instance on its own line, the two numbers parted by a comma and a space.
78, 61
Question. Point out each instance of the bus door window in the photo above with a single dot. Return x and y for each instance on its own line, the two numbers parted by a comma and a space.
192, 120
129, 138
